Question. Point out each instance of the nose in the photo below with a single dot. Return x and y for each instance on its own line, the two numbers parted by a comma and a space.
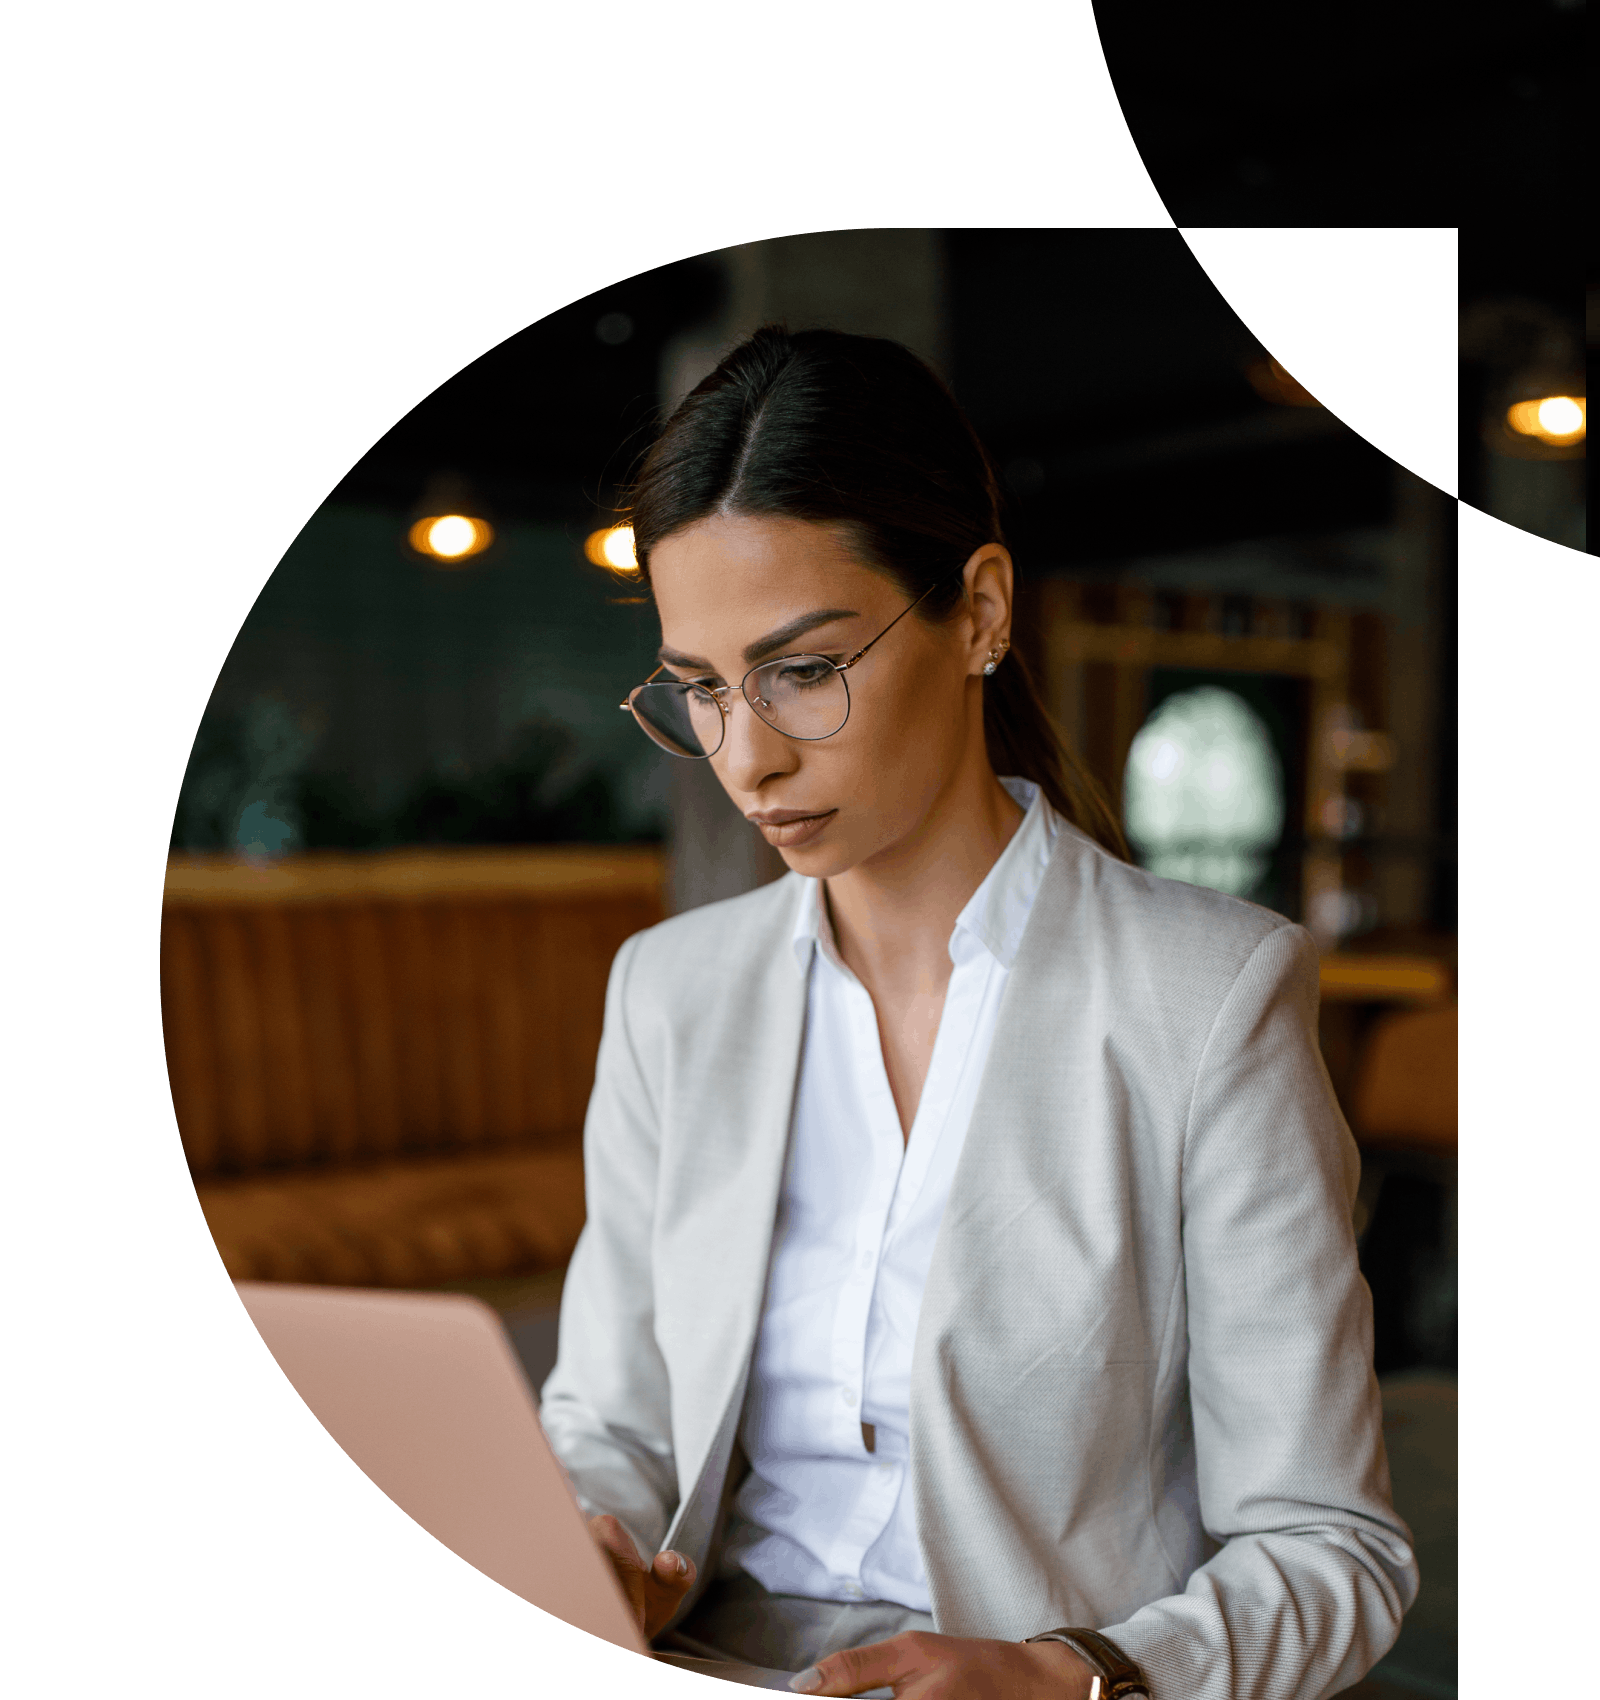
752, 751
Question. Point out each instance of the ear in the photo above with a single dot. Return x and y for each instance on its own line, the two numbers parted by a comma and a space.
988, 578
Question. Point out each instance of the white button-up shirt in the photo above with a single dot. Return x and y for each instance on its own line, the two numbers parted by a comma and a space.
819, 1514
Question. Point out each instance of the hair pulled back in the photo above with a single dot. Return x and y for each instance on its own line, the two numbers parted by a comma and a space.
857, 432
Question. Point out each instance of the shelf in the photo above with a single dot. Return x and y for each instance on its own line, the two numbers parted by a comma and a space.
1351, 978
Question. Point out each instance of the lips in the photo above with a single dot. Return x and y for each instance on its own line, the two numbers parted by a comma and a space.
786, 828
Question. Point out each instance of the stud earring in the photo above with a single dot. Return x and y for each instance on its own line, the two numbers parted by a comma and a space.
995, 655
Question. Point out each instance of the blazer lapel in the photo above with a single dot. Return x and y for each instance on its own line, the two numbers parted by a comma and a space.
726, 1133
960, 1386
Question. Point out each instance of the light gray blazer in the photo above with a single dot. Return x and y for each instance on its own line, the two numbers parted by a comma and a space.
1142, 1396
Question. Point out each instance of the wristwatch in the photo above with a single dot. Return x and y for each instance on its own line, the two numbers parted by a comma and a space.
1115, 1674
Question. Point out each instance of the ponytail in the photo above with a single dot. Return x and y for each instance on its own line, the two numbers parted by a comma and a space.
1024, 741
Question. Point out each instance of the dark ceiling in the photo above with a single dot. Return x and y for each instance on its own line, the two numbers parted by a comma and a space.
1102, 368
1104, 371
1355, 112
1107, 376
545, 425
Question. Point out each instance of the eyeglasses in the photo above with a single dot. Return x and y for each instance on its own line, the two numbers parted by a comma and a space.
802, 696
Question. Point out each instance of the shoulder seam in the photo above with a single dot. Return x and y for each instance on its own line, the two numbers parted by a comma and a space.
1285, 926
627, 952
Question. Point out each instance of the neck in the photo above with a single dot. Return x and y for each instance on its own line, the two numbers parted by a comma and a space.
893, 915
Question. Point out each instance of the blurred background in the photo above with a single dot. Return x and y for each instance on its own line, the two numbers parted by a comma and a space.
415, 826
1370, 114
1528, 319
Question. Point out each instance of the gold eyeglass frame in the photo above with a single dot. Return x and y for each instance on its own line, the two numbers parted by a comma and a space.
720, 694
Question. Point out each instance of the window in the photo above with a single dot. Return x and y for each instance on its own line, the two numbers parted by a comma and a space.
1203, 792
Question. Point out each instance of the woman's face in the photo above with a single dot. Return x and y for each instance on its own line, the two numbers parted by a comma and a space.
736, 591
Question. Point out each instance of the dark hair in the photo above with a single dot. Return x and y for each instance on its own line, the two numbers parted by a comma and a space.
857, 432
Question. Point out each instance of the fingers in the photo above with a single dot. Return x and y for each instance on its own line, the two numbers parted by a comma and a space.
673, 1570
671, 1577
669, 1569
617, 1544
616, 1540
654, 1590
879, 1665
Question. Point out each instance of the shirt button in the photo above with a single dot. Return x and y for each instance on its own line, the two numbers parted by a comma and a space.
849, 1397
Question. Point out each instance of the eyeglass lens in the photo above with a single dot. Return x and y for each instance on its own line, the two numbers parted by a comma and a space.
802, 696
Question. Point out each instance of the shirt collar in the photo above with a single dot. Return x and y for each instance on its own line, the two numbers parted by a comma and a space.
997, 911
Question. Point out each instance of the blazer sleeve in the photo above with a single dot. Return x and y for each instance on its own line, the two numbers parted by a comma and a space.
605, 1405
1315, 1569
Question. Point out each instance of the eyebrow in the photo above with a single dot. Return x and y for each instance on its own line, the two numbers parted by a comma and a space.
774, 643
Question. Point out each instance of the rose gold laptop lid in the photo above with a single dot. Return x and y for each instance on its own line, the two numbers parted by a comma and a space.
424, 1393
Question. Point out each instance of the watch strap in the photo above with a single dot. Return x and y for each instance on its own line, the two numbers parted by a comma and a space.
1116, 1675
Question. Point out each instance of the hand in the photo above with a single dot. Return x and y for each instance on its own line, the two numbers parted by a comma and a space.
655, 1592
920, 1666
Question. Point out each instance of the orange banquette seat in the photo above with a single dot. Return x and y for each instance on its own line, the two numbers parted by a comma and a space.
380, 1062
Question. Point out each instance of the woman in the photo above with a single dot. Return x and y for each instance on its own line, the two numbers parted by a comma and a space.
969, 1253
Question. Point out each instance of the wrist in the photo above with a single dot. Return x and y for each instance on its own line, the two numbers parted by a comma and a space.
1112, 1674
1065, 1671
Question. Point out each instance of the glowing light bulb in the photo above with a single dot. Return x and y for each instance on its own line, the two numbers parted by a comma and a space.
1560, 415
452, 535
612, 547
1555, 419
451, 538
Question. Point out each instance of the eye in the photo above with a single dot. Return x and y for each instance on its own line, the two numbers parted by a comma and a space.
805, 672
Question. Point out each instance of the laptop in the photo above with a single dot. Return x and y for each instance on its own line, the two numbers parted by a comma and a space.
424, 1392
